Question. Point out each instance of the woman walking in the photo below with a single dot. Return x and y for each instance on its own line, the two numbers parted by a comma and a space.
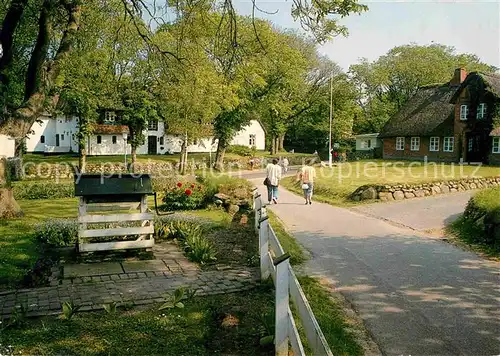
273, 176
306, 177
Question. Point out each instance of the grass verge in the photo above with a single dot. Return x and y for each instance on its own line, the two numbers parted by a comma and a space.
464, 233
287, 241
228, 324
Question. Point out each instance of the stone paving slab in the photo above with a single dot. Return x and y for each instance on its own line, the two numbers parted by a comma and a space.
144, 266
92, 269
146, 289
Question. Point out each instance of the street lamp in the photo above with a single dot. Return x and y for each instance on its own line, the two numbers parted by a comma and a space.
331, 116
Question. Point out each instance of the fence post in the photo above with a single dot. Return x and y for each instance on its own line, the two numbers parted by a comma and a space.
257, 208
282, 305
264, 245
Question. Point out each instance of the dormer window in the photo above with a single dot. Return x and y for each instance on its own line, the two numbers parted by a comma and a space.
464, 112
481, 111
109, 117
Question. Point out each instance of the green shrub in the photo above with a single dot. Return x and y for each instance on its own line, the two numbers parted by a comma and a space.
43, 190
240, 150
57, 232
176, 229
184, 196
199, 249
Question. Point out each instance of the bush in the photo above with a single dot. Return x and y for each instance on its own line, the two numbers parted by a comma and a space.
241, 150
43, 190
184, 196
57, 232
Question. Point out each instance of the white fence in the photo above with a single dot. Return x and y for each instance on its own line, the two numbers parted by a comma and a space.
275, 262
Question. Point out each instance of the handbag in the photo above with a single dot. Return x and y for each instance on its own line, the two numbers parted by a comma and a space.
267, 182
305, 186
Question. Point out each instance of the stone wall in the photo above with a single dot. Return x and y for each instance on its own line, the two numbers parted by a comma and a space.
409, 191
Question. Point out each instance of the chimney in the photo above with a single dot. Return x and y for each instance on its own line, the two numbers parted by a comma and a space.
459, 77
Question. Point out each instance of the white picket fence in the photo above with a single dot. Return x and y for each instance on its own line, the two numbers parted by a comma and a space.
275, 262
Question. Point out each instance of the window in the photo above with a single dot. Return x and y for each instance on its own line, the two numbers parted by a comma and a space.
153, 125
62, 137
109, 117
366, 143
99, 140
415, 144
434, 144
252, 139
470, 144
114, 140
448, 144
162, 141
400, 143
464, 112
57, 140
481, 111
42, 139
496, 144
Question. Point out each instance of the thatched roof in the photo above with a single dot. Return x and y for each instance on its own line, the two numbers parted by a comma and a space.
495, 132
428, 112
110, 129
491, 83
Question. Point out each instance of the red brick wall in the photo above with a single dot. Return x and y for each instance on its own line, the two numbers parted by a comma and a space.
390, 151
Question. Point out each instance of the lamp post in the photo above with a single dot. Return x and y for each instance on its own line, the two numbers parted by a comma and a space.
331, 116
124, 135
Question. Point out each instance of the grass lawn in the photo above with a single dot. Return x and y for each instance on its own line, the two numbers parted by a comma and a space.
334, 185
18, 250
228, 324
287, 241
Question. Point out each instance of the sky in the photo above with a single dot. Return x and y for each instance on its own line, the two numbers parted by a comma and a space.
469, 26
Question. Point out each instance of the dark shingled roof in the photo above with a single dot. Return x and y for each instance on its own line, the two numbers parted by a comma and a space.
428, 112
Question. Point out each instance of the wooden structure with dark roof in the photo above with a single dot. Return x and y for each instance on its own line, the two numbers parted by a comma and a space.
451, 122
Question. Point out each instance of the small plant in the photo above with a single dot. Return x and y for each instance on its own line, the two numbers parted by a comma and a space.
57, 232
267, 333
199, 249
190, 294
110, 308
175, 299
69, 310
18, 316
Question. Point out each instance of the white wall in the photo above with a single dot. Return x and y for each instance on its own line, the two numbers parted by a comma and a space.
375, 143
106, 147
243, 137
7, 146
49, 127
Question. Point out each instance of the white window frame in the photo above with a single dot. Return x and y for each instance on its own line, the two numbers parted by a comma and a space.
434, 143
464, 112
447, 142
415, 144
496, 145
470, 145
400, 143
481, 111
110, 116
252, 140
153, 125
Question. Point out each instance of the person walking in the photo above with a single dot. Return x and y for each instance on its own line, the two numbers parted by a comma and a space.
306, 177
285, 164
273, 177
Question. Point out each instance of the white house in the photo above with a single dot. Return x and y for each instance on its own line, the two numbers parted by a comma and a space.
57, 135
367, 142
7, 146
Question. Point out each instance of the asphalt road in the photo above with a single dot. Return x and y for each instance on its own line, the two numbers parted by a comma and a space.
416, 295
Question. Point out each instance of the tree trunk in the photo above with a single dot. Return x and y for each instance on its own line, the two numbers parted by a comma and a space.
8, 205
280, 143
82, 159
182, 162
219, 156
134, 157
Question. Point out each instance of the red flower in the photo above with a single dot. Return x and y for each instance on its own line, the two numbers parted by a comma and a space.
188, 192
179, 184
192, 186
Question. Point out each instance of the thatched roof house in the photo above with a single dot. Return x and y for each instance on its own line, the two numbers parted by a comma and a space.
429, 112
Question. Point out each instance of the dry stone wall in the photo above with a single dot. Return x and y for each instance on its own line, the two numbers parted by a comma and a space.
409, 191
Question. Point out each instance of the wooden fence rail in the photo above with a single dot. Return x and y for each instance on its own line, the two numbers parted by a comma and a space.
275, 263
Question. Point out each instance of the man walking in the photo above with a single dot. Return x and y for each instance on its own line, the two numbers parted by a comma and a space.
273, 177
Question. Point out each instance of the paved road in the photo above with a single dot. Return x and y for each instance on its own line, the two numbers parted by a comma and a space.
420, 214
417, 296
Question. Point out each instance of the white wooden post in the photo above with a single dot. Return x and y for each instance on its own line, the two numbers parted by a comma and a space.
257, 207
282, 264
264, 246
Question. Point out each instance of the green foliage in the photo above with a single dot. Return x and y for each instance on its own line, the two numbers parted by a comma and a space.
184, 196
267, 328
176, 229
240, 150
27, 190
18, 316
57, 232
175, 299
69, 309
199, 249
110, 308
